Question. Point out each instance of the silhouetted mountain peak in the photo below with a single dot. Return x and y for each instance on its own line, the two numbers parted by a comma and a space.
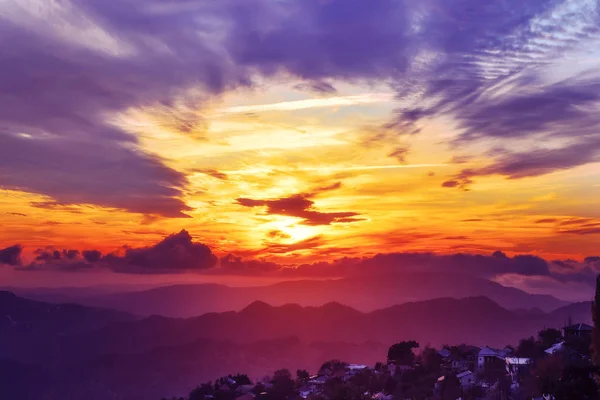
257, 307
339, 308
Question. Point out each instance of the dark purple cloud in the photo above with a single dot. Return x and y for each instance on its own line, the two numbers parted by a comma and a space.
57, 96
532, 163
301, 206
400, 154
91, 256
11, 255
319, 87
177, 252
314, 39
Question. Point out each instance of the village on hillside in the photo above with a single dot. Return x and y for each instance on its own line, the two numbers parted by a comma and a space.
555, 365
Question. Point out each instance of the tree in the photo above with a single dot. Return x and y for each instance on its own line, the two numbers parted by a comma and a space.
595, 347
529, 348
450, 389
205, 389
430, 360
332, 366
549, 337
283, 385
302, 376
402, 353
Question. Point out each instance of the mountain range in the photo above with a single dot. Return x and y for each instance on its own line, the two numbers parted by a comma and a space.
364, 294
120, 356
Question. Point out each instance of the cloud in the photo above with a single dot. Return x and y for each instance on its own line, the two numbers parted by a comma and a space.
300, 206
400, 154
313, 103
177, 252
16, 214
48, 255
319, 87
584, 231
546, 221
580, 226
174, 254
532, 163
68, 68
233, 264
305, 244
60, 91
214, 173
277, 234
91, 256
315, 40
11, 255
70, 254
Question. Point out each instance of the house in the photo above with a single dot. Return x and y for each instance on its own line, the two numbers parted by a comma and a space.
318, 381
577, 330
466, 379
517, 367
555, 348
461, 365
444, 353
382, 396
356, 367
489, 357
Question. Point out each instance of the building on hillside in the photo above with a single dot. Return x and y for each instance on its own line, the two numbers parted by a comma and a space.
517, 367
444, 353
489, 357
560, 346
382, 396
577, 330
356, 367
466, 379
462, 365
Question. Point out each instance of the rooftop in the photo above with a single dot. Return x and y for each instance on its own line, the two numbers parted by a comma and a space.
579, 327
518, 361
463, 374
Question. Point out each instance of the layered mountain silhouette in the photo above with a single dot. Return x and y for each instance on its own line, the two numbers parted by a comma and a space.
72, 349
364, 294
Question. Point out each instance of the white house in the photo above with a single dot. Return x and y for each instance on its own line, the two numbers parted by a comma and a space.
487, 355
555, 348
516, 365
466, 379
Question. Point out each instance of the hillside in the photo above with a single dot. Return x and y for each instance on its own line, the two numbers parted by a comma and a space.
475, 320
122, 357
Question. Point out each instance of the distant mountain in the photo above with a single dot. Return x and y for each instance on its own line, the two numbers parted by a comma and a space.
26, 323
365, 294
576, 312
475, 320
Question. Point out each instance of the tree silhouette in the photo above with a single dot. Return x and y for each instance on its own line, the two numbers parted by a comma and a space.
302, 375
549, 337
596, 331
402, 353
283, 386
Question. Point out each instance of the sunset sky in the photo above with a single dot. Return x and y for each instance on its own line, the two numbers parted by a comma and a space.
299, 131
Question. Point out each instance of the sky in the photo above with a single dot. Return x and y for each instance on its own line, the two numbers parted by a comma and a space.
296, 132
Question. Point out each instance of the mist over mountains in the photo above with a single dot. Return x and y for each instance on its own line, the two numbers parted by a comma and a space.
363, 293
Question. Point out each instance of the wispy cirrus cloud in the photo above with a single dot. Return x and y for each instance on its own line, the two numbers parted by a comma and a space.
352, 100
